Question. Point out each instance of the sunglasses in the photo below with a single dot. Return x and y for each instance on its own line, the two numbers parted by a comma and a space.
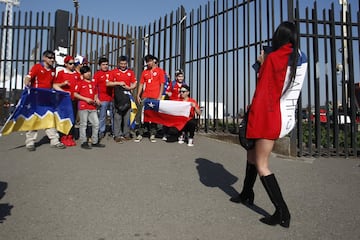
183, 91
71, 63
50, 57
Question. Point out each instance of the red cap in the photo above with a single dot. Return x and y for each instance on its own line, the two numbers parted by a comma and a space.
68, 58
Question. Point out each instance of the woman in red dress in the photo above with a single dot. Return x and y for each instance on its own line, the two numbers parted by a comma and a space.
272, 116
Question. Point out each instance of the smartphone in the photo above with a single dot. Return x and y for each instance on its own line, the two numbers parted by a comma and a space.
267, 49
256, 65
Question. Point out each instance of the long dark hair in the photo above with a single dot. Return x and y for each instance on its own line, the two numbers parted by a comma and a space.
287, 33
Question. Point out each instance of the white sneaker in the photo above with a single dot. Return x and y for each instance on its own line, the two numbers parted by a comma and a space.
164, 138
181, 139
190, 142
138, 139
152, 139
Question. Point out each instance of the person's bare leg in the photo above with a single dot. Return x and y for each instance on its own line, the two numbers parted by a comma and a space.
281, 216
263, 148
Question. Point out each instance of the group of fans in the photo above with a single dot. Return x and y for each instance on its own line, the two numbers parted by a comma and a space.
108, 91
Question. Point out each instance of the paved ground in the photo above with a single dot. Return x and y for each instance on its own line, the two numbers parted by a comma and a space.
167, 191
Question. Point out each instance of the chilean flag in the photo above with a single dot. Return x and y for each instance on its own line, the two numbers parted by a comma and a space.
167, 112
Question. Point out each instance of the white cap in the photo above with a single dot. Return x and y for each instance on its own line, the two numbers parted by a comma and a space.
80, 60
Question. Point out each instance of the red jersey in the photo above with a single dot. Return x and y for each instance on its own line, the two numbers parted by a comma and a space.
152, 80
192, 111
71, 77
105, 93
41, 77
127, 76
86, 89
174, 89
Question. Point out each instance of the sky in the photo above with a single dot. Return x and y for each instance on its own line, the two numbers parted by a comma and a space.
133, 12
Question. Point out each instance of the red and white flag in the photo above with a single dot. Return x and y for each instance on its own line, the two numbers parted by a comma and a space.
167, 112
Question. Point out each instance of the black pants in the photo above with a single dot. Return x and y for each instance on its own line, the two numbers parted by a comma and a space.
75, 110
190, 127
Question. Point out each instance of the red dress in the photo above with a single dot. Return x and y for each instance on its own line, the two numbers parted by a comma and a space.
272, 112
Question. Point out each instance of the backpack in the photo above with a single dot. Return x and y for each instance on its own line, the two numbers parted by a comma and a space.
121, 100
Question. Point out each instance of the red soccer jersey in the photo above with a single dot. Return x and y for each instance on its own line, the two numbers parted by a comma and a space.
105, 93
41, 77
86, 89
175, 90
127, 76
192, 111
152, 79
71, 77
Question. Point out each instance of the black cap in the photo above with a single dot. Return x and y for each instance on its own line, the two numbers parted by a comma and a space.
179, 71
185, 87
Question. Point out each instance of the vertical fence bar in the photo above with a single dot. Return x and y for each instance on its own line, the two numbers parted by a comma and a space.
17, 72
206, 63
236, 69
344, 85
316, 78
224, 29
333, 50
350, 49
327, 103
216, 55
191, 50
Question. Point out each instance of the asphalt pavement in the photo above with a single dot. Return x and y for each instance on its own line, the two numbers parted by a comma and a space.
167, 191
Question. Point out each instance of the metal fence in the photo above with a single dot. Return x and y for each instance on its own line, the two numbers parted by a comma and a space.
216, 46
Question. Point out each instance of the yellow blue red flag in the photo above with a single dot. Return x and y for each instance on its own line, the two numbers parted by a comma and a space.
41, 108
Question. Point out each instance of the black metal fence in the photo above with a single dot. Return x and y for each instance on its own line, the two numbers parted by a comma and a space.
216, 46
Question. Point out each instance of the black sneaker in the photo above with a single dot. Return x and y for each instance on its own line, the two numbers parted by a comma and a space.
101, 135
99, 145
85, 145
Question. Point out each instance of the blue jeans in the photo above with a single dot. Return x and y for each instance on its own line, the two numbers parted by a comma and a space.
103, 115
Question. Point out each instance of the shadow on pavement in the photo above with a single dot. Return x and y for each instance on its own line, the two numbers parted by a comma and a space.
43, 140
5, 209
215, 175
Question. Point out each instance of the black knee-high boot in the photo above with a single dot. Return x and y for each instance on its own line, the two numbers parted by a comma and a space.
282, 214
247, 193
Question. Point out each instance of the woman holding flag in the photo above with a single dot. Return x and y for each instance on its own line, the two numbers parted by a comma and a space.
272, 116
